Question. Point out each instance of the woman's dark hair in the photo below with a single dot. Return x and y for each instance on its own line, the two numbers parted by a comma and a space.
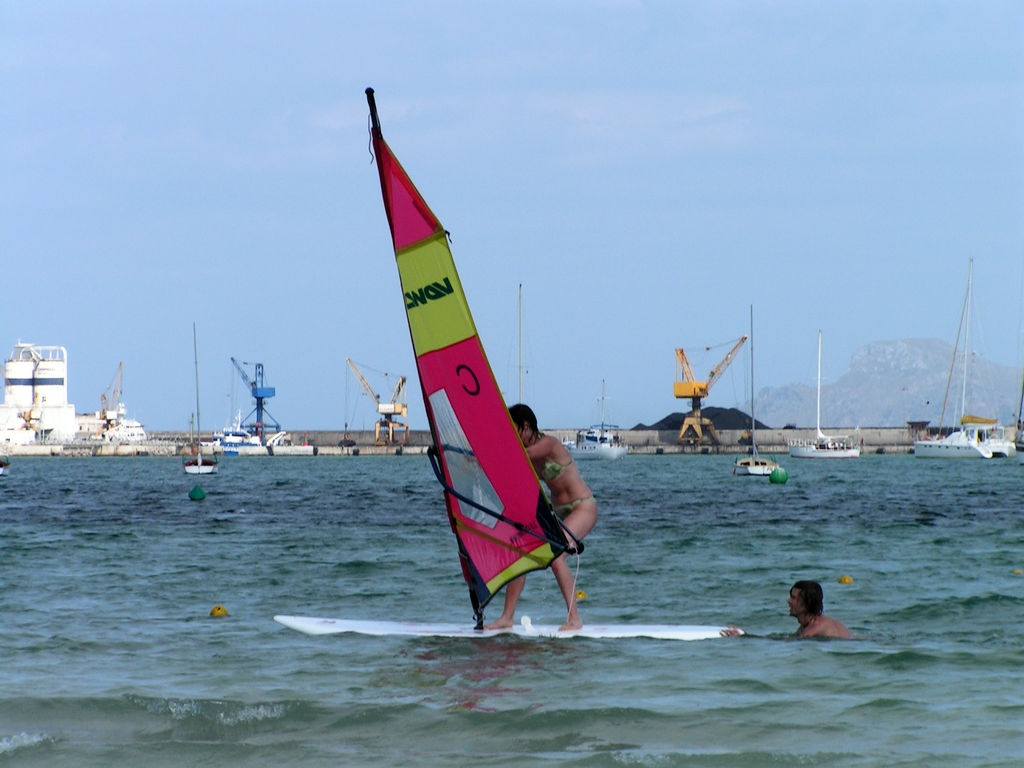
522, 414
814, 599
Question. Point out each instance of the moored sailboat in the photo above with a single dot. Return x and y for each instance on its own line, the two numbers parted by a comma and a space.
753, 465
597, 442
977, 437
196, 463
823, 446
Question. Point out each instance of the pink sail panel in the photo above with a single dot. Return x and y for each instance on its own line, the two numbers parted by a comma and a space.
410, 218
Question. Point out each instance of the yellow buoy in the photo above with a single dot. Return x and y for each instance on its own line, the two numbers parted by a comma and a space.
845, 580
218, 610
1017, 571
581, 595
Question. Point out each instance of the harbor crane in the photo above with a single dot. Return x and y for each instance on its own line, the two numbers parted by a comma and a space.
111, 407
387, 428
260, 394
694, 425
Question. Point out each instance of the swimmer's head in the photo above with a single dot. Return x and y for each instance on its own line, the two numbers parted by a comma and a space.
812, 596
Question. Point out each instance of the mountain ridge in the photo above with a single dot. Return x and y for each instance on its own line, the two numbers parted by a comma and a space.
889, 383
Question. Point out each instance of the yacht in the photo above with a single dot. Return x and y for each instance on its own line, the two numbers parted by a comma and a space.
823, 446
977, 437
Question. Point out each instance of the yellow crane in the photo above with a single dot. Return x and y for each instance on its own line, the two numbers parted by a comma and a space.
686, 385
387, 428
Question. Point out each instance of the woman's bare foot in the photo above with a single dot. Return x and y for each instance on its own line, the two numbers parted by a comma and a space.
501, 623
571, 624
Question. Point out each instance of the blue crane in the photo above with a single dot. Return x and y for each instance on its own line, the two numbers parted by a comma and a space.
259, 393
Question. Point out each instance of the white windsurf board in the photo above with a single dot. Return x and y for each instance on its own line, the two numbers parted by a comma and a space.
322, 626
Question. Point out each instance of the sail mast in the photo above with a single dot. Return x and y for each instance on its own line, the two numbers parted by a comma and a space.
520, 343
199, 431
818, 417
967, 335
602, 405
753, 420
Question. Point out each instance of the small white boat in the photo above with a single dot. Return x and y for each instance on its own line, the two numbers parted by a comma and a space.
597, 442
200, 465
753, 465
823, 446
4, 465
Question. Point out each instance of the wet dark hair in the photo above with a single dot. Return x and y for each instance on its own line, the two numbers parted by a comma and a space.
810, 592
522, 414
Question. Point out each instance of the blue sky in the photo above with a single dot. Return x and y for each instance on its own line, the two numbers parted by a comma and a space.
645, 170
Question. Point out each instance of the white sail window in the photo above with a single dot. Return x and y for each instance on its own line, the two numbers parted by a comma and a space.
467, 476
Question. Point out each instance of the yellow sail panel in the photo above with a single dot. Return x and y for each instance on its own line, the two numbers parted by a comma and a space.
434, 300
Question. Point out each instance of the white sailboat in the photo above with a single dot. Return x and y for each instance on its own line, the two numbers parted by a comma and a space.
753, 465
598, 442
197, 464
823, 446
977, 437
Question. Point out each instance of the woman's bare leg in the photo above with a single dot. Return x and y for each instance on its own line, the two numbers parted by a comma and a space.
512, 592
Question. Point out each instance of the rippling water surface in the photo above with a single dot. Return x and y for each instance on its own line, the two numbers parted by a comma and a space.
108, 655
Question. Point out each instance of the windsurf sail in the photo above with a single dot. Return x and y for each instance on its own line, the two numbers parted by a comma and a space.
498, 511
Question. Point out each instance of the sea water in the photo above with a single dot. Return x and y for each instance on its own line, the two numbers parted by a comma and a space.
109, 657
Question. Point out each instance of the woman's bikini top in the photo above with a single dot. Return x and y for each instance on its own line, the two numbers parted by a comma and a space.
553, 469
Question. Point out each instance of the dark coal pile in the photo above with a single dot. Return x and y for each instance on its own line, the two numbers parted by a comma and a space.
722, 418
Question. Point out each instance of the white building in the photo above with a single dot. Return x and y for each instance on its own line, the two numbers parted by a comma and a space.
35, 406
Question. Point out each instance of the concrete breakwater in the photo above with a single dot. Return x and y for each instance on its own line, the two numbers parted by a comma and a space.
336, 443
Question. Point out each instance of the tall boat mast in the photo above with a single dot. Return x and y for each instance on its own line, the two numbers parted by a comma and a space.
520, 343
199, 430
817, 418
753, 419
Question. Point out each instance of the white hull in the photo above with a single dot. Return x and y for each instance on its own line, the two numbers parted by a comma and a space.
205, 468
823, 450
967, 443
1002, 449
936, 449
755, 466
597, 452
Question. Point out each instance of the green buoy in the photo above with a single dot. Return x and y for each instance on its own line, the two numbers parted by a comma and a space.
198, 494
778, 475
